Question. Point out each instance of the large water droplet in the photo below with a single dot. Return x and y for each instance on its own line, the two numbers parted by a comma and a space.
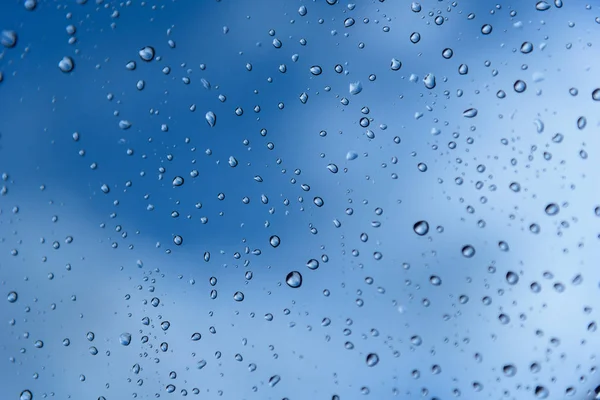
274, 240
26, 395
355, 88
12, 297
125, 339
421, 228
146, 53
8, 38
429, 81
178, 181
274, 380
294, 279
372, 359
211, 118
552, 209
542, 5
316, 70
66, 65
238, 296
468, 251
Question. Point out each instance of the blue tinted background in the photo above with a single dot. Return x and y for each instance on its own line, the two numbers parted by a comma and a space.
370, 294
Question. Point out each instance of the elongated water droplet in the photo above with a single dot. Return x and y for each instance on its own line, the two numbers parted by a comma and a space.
542, 5
316, 70
211, 118
470, 113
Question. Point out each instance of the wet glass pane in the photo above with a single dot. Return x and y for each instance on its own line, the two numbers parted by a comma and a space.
299, 199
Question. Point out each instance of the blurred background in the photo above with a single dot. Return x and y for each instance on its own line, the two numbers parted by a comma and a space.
299, 199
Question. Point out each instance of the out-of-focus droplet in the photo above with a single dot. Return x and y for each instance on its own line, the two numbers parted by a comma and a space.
124, 124
30, 5
512, 278
596, 94
8, 38
552, 209
294, 279
66, 65
211, 118
146, 53
355, 88
105, 188
332, 168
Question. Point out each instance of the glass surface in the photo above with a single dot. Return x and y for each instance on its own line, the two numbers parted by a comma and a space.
299, 199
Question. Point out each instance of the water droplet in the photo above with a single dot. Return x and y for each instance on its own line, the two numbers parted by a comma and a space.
316, 70
421, 228
105, 188
211, 118
294, 279
542, 5
435, 280
238, 296
196, 336
178, 181
552, 209
468, 251
277, 43
540, 391
302, 11
429, 81
333, 168
178, 240
520, 86
512, 278
355, 88
509, 370
348, 22
486, 29
66, 65
581, 122
526, 48
274, 380
232, 162
8, 38
596, 94
463, 69
125, 339
12, 297
372, 359
146, 53
447, 53
124, 124
470, 113
515, 187
351, 155
274, 241
26, 395
415, 37
395, 64
312, 264
303, 98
